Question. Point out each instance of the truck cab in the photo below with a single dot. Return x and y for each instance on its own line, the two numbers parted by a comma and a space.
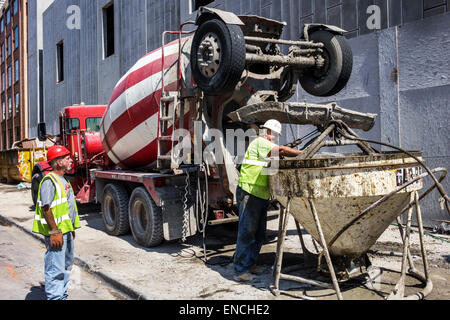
78, 124
79, 131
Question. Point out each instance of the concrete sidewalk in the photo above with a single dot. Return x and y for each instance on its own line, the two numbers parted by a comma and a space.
176, 271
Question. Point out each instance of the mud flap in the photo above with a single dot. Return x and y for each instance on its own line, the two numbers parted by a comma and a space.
172, 212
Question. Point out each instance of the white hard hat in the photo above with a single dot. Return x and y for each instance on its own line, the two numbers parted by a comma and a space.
274, 126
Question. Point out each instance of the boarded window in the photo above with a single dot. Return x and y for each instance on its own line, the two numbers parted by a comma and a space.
60, 62
108, 30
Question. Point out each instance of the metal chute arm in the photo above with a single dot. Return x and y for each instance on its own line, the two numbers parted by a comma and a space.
303, 114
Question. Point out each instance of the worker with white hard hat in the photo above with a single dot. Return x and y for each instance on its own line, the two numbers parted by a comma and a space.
253, 196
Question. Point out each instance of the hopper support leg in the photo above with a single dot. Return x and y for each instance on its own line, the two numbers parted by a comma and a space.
284, 215
323, 243
399, 290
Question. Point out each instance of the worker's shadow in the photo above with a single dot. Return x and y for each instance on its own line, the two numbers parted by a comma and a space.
36, 293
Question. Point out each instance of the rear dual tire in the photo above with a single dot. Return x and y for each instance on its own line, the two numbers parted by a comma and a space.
115, 210
137, 212
145, 219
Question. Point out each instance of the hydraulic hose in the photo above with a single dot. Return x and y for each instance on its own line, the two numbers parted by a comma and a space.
438, 184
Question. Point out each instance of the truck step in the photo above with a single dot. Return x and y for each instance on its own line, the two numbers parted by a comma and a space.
168, 99
165, 138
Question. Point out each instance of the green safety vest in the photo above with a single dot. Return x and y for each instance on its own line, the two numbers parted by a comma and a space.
253, 178
60, 210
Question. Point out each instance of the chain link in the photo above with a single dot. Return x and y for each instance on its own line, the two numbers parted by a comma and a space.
185, 209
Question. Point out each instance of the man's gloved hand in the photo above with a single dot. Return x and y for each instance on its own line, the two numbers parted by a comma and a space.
56, 241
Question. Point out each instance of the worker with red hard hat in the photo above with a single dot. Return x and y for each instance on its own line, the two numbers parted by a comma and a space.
57, 219
56, 152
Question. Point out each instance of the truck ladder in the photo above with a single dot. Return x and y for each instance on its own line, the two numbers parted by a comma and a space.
170, 106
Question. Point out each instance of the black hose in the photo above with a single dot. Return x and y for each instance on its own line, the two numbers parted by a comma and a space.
438, 185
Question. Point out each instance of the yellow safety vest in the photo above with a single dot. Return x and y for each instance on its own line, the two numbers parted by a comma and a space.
253, 178
60, 210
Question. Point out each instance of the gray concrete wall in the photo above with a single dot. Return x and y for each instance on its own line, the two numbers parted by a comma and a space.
35, 39
65, 93
413, 113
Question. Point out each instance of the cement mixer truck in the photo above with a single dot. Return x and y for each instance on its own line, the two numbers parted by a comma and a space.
173, 118
166, 124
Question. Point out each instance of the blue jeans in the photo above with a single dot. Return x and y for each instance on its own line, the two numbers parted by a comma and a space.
251, 231
58, 264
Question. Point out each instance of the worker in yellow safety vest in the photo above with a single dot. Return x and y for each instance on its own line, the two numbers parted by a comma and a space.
56, 219
253, 196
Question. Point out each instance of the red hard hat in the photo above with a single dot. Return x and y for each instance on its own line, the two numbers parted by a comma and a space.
56, 152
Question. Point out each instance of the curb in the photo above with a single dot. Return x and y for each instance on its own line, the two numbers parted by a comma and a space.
124, 289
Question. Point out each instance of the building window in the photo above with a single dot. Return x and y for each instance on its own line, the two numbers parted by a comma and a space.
8, 17
9, 45
3, 81
10, 107
16, 37
15, 8
4, 140
17, 102
17, 69
9, 77
2, 25
3, 52
201, 3
60, 62
108, 30
17, 133
10, 137
3, 110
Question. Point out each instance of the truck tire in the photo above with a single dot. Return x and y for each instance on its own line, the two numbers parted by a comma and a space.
35, 182
333, 77
224, 68
145, 219
115, 210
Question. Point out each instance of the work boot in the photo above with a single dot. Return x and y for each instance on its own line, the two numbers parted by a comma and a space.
258, 270
243, 277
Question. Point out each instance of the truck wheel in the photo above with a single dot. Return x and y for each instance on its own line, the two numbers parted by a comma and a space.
145, 219
35, 182
115, 210
334, 75
217, 56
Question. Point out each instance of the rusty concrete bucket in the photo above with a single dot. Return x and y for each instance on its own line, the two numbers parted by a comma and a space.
345, 202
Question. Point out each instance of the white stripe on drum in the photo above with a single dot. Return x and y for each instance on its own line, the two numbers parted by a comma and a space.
133, 95
151, 57
135, 140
